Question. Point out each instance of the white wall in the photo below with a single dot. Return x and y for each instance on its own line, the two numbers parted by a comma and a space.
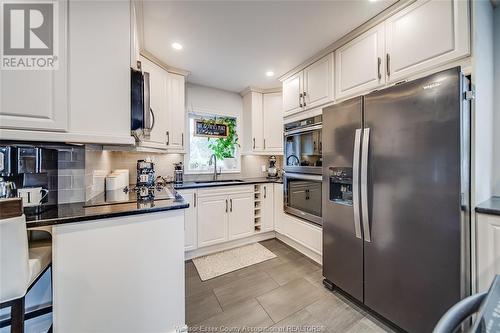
483, 81
496, 145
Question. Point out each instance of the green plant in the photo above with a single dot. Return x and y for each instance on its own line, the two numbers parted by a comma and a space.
225, 147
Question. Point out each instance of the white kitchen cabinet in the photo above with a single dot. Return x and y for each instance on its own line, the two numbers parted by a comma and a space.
309, 88
158, 80
241, 222
263, 122
212, 220
273, 122
487, 250
292, 94
426, 34
278, 207
190, 220
267, 207
37, 99
360, 64
176, 112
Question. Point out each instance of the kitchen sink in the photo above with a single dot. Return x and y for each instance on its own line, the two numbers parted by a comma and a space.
219, 181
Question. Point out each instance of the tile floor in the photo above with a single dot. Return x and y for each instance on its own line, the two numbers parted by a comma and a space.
284, 294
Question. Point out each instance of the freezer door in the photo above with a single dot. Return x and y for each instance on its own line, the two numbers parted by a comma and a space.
342, 238
412, 261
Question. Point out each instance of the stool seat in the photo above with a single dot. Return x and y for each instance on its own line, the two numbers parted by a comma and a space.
40, 257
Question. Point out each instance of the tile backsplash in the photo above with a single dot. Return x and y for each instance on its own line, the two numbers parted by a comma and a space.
71, 174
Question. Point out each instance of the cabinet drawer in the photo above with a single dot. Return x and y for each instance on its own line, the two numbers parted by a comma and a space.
225, 190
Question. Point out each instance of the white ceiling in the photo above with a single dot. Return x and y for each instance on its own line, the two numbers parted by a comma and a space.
231, 44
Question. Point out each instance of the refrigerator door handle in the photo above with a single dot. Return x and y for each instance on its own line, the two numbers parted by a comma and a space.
364, 185
355, 183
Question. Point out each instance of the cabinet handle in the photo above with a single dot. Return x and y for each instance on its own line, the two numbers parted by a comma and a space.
231, 205
194, 200
264, 143
388, 63
182, 139
379, 64
304, 98
300, 99
168, 138
226, 205
253, 143
265, 192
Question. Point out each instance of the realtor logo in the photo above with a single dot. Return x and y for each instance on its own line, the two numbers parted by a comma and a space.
29, 37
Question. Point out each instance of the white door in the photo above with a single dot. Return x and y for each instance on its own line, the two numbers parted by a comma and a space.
241, 221
37, 99
292, 91
426, 34
177, 112
488, 250
257, 122
278, 208
212, 220
158, 102
273, 122
318, 82
360, 64
267, 210
190, 221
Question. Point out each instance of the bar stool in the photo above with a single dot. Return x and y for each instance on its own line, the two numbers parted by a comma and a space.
21, 266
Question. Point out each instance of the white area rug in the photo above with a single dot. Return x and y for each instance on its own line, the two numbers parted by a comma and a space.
227, 261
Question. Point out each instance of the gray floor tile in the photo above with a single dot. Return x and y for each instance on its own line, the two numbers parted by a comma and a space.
244, 288
288, 299
366, 325
292, 270
337, 315
201, 306
301, 321
243, 314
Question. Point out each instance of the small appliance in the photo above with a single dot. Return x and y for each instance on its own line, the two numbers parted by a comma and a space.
272, 170
143, 117
145, 178
178, 172
32, 196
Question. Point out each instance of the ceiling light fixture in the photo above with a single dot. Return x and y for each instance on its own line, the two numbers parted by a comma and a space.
269, 73
176, 46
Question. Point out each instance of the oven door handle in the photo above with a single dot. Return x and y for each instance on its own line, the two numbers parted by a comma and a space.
304, 129
302, 176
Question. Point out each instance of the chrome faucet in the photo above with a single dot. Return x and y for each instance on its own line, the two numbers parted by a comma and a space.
213, 160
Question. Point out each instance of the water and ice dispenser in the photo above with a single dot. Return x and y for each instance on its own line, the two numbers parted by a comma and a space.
341, 185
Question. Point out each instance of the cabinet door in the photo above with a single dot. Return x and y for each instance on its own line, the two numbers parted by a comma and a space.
257, 122
212, 220
360, 64
488, 250
190, 221
37, 99
158, 101
267, 210
177, 111
292, 89
241, 222
273, 122
318, 82
426, 34
278, 208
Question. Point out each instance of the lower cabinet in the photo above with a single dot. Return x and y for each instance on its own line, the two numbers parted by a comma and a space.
212, 220
267, 210
240, 215
278, 207
190, 221
487, 250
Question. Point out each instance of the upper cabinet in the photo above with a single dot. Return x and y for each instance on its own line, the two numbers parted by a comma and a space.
262, 122
360, 64
309, 88
176, 96
426, 34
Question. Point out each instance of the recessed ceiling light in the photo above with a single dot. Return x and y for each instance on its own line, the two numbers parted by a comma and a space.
269, 73
176, 46
372, 0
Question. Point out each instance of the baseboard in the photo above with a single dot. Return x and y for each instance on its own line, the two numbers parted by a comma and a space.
228, 245
301, 248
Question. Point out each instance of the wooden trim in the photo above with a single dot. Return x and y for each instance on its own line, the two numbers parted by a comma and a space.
379, 18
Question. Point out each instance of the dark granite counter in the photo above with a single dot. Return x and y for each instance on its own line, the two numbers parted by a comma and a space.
81, 211
245, 181
491, 206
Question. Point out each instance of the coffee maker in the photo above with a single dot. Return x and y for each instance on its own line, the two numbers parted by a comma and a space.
28, 168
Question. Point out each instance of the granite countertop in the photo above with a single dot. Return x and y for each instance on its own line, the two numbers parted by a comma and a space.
222, 182
81, 211
491, 206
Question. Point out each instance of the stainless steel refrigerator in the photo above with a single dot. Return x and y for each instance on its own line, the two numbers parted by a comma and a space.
396, 199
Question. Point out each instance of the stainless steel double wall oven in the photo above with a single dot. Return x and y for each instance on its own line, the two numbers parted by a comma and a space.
303, 169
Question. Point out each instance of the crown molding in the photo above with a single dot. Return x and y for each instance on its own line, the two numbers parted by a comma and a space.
146, 54
260, 90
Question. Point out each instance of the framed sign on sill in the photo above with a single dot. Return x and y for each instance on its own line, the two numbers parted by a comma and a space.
210, 129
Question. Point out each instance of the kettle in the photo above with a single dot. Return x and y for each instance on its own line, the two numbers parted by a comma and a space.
7, 188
